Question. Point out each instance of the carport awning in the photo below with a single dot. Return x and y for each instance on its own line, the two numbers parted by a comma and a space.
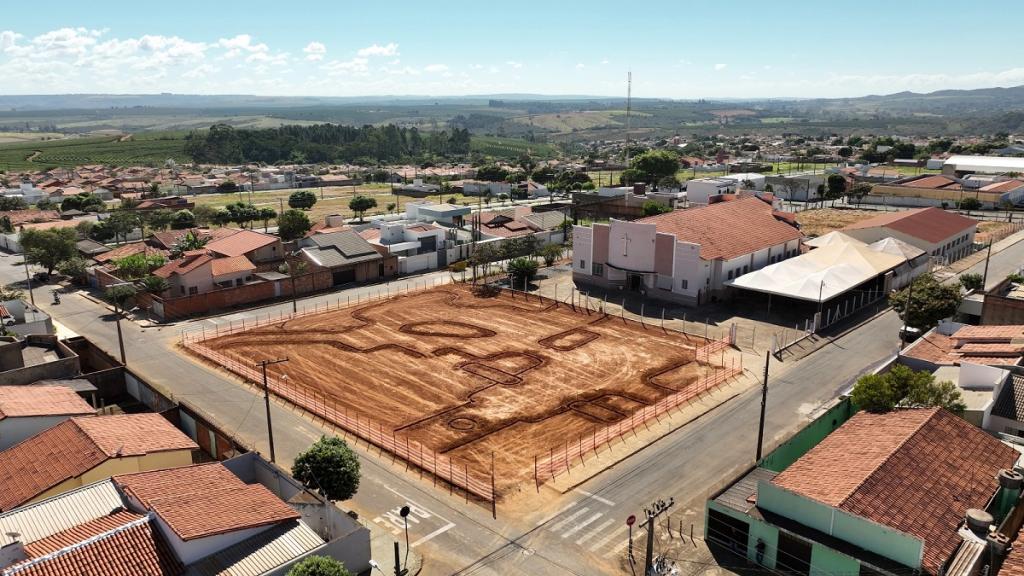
823, 273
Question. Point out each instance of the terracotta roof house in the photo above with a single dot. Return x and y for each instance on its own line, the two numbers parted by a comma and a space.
79, 451
886, 493
28, 410
255, 246
938, 232
189, 275
187, 521
988, 345
684, 255
128, 249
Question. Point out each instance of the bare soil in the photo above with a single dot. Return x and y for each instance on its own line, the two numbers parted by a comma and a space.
825, 220
472, 375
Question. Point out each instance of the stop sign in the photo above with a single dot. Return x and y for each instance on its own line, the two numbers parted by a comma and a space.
631, 520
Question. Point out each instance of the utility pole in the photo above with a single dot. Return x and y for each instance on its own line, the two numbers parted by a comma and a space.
984, 277
906, 313
764, 402
28, 279
120, 337
652, 513
266, 399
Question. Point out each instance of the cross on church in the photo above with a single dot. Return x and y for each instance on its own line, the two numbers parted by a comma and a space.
625, 243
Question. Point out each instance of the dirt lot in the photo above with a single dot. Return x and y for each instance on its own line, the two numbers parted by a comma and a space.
825, 220
468, 375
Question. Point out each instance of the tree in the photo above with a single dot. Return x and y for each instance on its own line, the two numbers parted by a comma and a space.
87, 202
7, 294
652, 208
654, 165
551, 253
391, 207
845, 152
969, 204
330, 467
45, 204
491, 173
158, 219
5, 224
859, 191
188, 242
302, 200
292, 224
203, 214
12, 203
670, 183
155, 285
73, 268
360, 204
182, 220
318, 566
138, 265
930, 302
122, 223
119, 295
971, 281
902, 387
266, 214
48, 248
522, 270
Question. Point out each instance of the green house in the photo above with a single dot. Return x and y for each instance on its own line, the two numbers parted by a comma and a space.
873, 494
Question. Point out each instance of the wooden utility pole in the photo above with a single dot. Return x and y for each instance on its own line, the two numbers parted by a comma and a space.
764, 402
266, 399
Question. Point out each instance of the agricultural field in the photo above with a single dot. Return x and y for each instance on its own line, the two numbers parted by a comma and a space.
510, 148
133, 150
335, 199
21, 137
473, 375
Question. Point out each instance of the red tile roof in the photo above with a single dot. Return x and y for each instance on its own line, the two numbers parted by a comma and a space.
933, 182
128, 250
231, 265
728, 229
929, 224
1004, 186
205, 500
19, 401
19, 217
917, 471
241, 242
78, 445
991, 332
187, 263
119, 544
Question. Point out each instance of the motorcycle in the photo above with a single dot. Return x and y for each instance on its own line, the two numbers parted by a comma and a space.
56, 296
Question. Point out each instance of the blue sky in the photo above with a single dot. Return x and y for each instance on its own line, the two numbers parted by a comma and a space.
675, 49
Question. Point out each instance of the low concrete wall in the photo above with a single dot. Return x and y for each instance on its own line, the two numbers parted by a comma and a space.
172, 308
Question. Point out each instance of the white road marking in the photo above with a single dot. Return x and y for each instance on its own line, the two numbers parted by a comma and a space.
608, 537
437, 532
564, 521
616, 549
581, 525
547, 518
595, 531
604, 501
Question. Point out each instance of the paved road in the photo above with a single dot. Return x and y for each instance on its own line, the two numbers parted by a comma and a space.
587, 533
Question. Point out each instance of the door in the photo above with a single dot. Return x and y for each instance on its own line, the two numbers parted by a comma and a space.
344, 276
636, 282
728, 531
794, 555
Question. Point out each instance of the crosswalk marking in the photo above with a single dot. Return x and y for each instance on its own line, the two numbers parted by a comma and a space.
546, 519
558, 526
595, 531
581, 525
616, 549
608, 537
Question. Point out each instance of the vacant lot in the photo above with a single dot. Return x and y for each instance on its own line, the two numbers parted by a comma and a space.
825, 220
469, 376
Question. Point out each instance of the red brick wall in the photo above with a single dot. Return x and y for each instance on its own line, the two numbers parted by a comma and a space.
241, 295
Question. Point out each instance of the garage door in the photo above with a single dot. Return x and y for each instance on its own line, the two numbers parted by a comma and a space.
344, 276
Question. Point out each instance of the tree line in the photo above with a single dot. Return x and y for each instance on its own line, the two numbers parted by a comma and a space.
223, 144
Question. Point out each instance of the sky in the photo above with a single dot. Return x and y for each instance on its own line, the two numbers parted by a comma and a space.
675, 49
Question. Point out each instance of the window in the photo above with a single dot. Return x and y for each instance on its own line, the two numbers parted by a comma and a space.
193, 290
683, 284
730, 274
707, 281
746, 268
583, 264
598, 269
181, 289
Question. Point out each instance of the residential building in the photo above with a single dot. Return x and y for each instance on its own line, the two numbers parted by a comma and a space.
188, 521
953, 344
79, 451
191, 274
879, 494
348, 256
944, 235
28, 410
232, 271
684, 255
940, 190
166, 203
255, 246
1003, 304
445, 214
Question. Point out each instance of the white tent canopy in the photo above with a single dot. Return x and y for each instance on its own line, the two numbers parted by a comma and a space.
825, 272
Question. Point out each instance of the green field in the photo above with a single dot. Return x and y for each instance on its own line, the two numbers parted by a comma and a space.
152, 148
510, 147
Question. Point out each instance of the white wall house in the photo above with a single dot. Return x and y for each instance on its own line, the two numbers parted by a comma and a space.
685, 255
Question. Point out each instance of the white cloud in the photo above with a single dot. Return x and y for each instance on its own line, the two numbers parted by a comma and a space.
580, 65
389, 49
8, 38
434, 68
604, 62
315, 51
356, 66
514, 64
240, 44
720, 67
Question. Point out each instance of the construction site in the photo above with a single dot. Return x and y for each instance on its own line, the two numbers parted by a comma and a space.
486, 389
